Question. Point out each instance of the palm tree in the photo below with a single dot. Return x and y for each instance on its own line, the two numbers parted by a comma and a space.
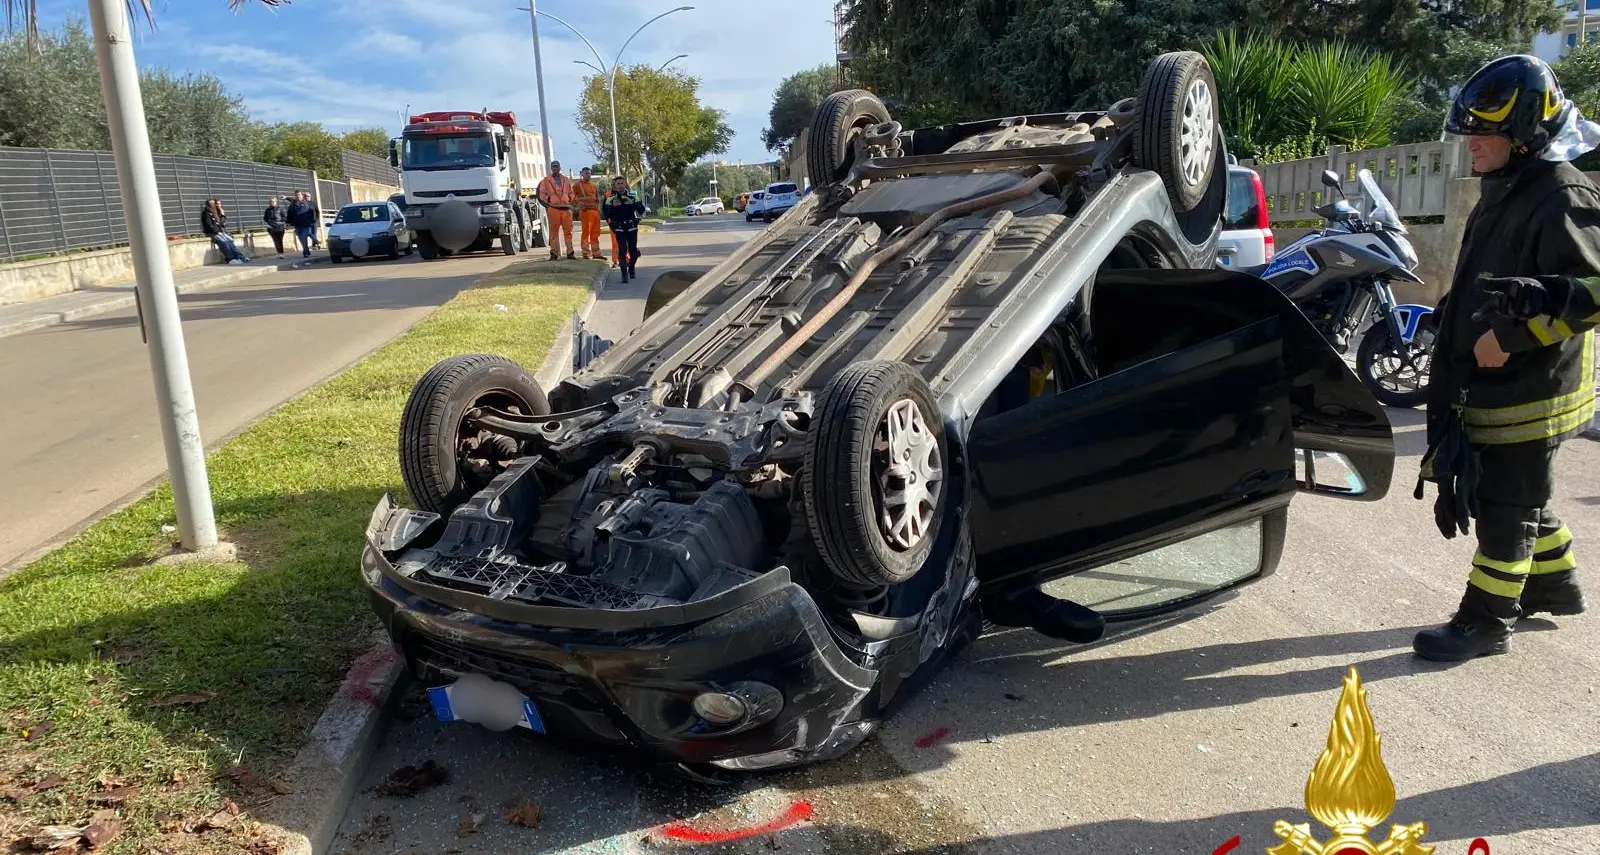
157, 295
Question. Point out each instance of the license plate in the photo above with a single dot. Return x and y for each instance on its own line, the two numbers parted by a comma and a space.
444, 709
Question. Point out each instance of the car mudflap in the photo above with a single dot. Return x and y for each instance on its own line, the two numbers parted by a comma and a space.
1211, 385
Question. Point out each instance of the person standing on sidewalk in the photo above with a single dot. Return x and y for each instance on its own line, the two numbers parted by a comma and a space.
214, 222
623, 211
302, 218
1504, 392
555, 193
586, 195
277, 221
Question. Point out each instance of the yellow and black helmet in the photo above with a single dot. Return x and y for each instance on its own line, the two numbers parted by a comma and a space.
1516, 97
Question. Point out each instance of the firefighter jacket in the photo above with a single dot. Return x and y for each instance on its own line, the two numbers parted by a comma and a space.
1535, 218
586, 194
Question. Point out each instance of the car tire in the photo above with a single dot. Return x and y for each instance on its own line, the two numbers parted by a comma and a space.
1176, 131
334, 258
508, 244
431, 444
846, 473
1377, 342
427, 247
830, 141
394, 251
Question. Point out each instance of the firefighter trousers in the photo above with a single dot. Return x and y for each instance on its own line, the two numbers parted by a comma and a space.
1519, 536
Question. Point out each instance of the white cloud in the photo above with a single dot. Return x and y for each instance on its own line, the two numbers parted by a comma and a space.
361, 62
387, 42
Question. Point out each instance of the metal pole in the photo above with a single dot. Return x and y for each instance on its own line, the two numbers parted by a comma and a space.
538, 76
616, 147
158, 296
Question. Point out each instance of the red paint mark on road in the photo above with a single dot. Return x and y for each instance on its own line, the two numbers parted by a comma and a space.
358, 682
1479, 846
931, 739
682, 831
1225, 848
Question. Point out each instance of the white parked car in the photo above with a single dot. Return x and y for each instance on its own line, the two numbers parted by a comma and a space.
708, 205
780, 197
1246, 240
753, 206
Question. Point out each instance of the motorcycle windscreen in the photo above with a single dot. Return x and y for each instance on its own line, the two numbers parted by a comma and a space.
1189, 430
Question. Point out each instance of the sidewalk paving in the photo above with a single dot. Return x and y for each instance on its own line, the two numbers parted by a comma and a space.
18, 318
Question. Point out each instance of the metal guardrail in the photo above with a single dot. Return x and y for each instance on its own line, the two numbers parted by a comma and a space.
56, 201
1414, 177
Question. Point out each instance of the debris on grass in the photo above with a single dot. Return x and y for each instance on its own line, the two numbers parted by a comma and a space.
408, 781
525, 815
469, 824
223, 818
104, 826
187, 699
114, 796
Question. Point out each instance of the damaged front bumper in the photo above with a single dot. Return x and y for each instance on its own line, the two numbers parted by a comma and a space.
760, 659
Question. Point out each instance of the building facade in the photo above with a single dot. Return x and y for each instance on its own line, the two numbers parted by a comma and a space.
1583, 16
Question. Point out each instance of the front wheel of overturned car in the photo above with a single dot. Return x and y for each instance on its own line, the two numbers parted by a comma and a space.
874, 473
1384, 372
1177, 134
442, 460
830, 142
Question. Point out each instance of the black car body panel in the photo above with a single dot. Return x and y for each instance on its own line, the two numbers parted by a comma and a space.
1175, 401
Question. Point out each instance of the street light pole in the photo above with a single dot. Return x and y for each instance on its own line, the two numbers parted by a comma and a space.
152, 269
538, 77
611, 85
671, 61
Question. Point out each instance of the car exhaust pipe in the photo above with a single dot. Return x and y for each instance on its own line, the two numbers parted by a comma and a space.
746, 387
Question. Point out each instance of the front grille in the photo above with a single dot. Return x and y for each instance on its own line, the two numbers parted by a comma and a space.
455, 659
440, 194
503, 577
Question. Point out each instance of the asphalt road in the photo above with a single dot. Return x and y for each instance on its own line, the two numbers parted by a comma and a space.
78, 433
1175, 738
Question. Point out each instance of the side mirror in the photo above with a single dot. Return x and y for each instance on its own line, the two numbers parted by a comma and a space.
1330, 179
394, 154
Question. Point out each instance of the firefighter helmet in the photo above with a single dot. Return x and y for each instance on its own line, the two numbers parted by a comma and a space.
1516, 97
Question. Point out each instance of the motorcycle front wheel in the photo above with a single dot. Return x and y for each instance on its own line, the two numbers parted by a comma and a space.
1385, 373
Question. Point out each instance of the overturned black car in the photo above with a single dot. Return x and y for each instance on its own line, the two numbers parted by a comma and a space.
982, 363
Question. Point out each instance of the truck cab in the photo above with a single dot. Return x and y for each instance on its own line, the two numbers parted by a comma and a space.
462, 183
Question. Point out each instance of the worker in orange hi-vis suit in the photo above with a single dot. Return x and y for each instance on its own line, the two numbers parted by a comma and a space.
586, 194
555, 193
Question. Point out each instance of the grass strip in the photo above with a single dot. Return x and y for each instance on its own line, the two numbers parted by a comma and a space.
161, 691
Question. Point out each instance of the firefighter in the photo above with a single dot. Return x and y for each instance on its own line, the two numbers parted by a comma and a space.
586, 194
1503, 391
555, 193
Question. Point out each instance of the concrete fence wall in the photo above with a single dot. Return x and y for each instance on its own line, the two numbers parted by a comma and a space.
1415, 178
23, 281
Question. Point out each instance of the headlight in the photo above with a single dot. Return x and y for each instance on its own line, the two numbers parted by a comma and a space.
720, 707
379, 234
492, 209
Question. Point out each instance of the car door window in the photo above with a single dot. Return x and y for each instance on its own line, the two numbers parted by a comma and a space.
1179, 420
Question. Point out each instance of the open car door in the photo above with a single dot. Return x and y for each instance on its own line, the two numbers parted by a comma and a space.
1167, 478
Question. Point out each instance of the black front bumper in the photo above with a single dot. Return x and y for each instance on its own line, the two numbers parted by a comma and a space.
382, 245
634, 688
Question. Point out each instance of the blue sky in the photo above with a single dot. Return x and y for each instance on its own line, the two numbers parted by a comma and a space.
350, 63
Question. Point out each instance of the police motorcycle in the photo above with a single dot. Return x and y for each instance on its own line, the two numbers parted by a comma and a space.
1340, 276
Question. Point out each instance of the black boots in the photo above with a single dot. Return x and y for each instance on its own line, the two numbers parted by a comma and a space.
1554, 594
1481, 627
1047, 615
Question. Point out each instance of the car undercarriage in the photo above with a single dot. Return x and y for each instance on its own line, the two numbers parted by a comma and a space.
980, 357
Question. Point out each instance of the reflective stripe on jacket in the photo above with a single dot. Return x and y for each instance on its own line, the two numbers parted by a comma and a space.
556, 191
587, 195
1536, 218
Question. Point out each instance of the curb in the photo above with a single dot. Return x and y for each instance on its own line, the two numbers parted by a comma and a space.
118, 302
328, 768
557, 365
